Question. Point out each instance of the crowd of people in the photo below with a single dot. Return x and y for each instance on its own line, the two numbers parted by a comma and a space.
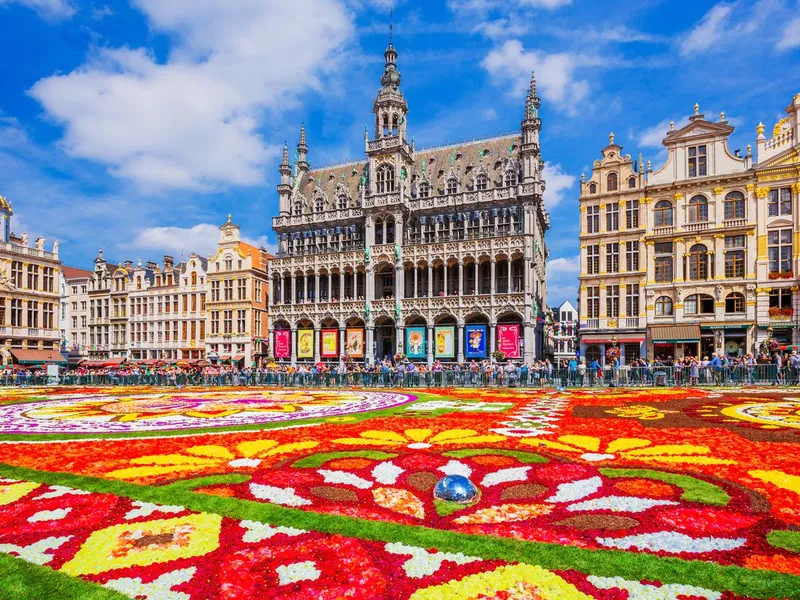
401, 372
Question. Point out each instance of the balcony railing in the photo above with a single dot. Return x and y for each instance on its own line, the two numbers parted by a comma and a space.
631, 322
697, 226
592, 323
663, 230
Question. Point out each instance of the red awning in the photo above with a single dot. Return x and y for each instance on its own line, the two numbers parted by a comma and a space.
37, 357
99, 364
238, 357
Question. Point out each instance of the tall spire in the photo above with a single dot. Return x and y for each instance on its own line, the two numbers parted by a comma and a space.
532, 88
532, 101
285, 159
302, 150
391, 76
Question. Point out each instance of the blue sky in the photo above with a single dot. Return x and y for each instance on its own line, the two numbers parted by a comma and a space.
138, 126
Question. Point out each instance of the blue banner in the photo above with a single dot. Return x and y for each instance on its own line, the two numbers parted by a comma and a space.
475, 342
415, 342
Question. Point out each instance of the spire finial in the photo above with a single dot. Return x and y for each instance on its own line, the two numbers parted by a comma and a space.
391, 18
302, 134
532, 88
696, 108
229, 217
611, 138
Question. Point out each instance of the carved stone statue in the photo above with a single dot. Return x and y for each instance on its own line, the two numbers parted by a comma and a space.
24, 239
367, 255
55, 247
367, 313
397, 251
678, 295
397, 312
751, 291
718, 292
39, 244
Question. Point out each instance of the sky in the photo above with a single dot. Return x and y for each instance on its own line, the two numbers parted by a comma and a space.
138, 126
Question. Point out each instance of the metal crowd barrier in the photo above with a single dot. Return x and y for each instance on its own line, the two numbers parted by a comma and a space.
653, 376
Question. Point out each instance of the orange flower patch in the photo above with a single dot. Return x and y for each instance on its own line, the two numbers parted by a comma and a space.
494, 461
783, 564
350, 463
645, 487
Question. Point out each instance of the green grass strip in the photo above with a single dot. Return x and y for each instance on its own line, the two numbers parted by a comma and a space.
754, 583
21, 580
199, 482
788, 540
445, 507
694, 490
317, 460
523, 457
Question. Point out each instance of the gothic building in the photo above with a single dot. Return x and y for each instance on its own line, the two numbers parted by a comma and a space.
437, 253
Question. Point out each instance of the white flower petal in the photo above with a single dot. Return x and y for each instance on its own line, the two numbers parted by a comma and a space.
49, 515
345, 478
300, 571
455, 467
60, 490
423, 563
245, 462
596, 457
145, 509
665, 591
258, 531
36, 553
386, 473
671, 541
276, 495
575, 490
619, 504
158, 589
506, 475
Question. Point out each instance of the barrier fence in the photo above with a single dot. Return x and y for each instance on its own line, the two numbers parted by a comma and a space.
656, 376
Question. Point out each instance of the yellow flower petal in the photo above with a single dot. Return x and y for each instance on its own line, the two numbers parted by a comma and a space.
778, 478
626, 444
136, 472
669, 449
250, 449
690, 460
173, 459
376, 434
549, 444
586, 442
452, 434
475, 439
367, 442
418, 435
211, 451
286, 448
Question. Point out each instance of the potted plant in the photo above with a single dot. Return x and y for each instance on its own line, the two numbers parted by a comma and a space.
499, 355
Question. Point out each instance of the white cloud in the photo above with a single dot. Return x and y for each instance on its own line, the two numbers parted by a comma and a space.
50, 10
652, 137
193, 122
791, 36
562, 279
709, 30
201, 238
557, 181
511, 64
484, 6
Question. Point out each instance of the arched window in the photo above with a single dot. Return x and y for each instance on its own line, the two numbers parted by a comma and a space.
663, 306
384, 182
378, 231
452, 185
698, 209
319, 204
424, 189
138, 283
592, 188
698, 304
611, 182
394, 124
228, 263
481, 182
734, 206
297, 209
698, 262
632, 182
511, 178
194, 278
390, 231
734, 303
662, 214
385, 125
341, 201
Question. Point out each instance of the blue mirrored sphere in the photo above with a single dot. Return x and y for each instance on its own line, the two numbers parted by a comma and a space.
456, 488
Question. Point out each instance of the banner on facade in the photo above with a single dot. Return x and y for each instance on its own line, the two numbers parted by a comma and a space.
305, 343
475, 344
330, 343
354, 343
283, 343
415, 342
445, 341
508, 340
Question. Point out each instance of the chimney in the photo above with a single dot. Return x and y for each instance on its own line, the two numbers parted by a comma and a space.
151, 265
168, 262
128, 265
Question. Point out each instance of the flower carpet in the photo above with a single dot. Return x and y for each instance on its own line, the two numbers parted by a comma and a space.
200, 493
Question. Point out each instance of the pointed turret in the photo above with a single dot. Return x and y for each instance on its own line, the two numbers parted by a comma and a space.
285, 186
531, 125
302, 150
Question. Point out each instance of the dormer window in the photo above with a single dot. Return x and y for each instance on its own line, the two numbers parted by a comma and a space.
697, 161
511, 178
481, 182
592, 188
319, 204
297, 209
632, 182
452, 185
342, 201
424, 189
611, 182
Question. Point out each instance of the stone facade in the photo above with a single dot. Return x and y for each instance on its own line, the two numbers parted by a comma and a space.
565, 331
426, 238
236, 304
29, 296
697, 257
74, 321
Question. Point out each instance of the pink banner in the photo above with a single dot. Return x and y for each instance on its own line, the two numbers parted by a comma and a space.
508, 340
283, 343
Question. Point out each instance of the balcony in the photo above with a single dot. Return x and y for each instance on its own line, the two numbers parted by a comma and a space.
730, 223
631, 322
697, 226
663, 230
592, 323
30, 332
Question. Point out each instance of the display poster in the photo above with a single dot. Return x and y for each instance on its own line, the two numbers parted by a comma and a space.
415, 342
283, 343
508, 340
475, 343
354, 343
445, 338
305, 343
330, 343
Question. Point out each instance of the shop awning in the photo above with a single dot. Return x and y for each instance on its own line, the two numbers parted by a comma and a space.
38, 357
99, 364
604, 338
238, 357
671, 334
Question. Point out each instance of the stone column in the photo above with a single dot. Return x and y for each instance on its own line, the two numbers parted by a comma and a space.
330, 285
492, 338
460, 355
399, 338
342, 340
316, 287
430, 280
460, 278
416, 281
719, 256
529, 335
316, 344
369, 351
445, 270
271, 341
492, 283
341, 284
293, 340
430, 345
399, 281
680, 255
476, 285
